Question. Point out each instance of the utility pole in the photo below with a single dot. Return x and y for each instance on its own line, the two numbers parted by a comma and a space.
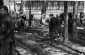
65, 22
75, 16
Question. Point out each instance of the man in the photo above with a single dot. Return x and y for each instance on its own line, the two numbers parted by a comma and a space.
6, 32
30, 20
70, 23
81, 18
52, 25
58, 25
44, 20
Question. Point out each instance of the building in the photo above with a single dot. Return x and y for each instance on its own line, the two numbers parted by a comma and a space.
55, 7
52, 6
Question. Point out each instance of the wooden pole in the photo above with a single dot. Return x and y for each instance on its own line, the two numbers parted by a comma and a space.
75, 16
65, 22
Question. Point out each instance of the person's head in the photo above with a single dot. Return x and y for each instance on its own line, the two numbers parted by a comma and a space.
31, 15
51, 15
70, 15
56, 15
3, 10
21, 12
62, 15
43, 15
81, 14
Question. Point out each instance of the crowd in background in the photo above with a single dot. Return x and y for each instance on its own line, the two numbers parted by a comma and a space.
55, 23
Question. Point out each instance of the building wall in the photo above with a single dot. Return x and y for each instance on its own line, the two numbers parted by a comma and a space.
53, 4
55, 7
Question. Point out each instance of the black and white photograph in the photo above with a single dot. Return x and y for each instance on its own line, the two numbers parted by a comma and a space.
42, 27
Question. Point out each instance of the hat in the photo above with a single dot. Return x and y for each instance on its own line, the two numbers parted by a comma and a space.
51, 15
5, 7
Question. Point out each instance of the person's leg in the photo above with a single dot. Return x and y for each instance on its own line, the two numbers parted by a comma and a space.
51, 34
29, 22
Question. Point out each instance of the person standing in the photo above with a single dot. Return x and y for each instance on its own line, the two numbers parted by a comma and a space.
6, 32
58, 25
81, 18
70, 23
52, 25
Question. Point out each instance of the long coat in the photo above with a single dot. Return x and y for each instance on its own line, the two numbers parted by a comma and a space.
6, 35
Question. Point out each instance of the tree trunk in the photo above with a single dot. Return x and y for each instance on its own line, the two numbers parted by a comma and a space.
58, 5
75, 16
84, 6
30, 13
66, 22
30, 9
21, 7
9, 7
43, 10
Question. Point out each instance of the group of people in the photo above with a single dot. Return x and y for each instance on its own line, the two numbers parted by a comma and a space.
7, 40
22, 22
9, 24
7, 27
56, 24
